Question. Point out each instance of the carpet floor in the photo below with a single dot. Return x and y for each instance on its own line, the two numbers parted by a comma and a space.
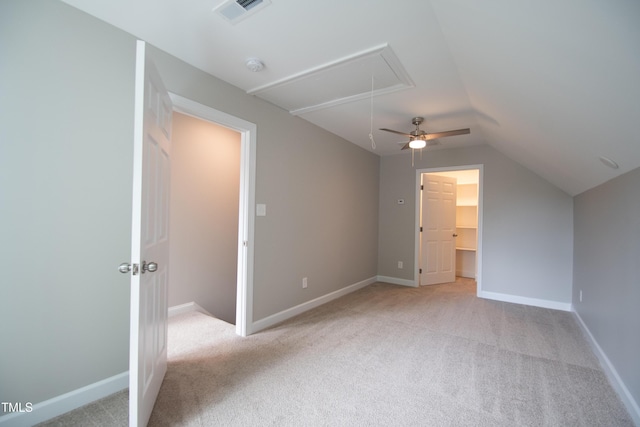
387, 355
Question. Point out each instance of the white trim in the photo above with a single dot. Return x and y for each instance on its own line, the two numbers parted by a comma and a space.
397, 281
187, 308
136, 396
64, 403
246, 223
535, 302
611, 373
306, 306
419, 172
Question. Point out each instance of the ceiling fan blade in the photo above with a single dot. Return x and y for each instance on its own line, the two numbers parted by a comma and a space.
395, 131
448, 133
405, 146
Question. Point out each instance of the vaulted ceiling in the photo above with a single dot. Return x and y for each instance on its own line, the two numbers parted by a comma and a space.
554, 85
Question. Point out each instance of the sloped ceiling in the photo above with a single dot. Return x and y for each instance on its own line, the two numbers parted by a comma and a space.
553, 85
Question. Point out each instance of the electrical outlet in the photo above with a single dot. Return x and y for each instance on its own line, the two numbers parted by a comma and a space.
400, 265
304, 283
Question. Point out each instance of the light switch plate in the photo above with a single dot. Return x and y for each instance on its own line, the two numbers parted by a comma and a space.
261, 209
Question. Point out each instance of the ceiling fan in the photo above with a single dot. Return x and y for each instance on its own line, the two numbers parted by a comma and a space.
418, 138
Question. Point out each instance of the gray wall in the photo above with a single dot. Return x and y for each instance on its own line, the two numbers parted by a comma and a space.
205, 191
321, 194
527, 223
65, 177
66, 124
607, 270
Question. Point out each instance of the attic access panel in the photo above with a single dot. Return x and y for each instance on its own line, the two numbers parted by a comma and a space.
339, 82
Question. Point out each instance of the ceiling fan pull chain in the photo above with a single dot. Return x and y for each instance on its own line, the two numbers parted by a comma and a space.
373, 142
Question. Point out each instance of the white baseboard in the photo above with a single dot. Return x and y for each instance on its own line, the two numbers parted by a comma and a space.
187, 308
535, 302
612, 374
301, 308
397, 281
64, 403
469, 274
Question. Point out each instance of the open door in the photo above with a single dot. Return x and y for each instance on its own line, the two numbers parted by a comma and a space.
150, 239
438, 230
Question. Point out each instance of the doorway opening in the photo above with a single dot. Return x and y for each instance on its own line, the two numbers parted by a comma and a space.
205, 184
460, 250
246, 202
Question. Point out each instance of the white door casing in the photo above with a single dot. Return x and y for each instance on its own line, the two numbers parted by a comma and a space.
438, 223
150, 239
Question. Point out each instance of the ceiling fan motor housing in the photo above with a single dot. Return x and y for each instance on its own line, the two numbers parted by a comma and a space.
418, 132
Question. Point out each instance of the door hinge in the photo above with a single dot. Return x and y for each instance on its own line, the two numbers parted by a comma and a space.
420, 271
422, 187
421, 229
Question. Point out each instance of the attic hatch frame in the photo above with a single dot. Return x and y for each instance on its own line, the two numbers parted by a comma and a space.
345, 80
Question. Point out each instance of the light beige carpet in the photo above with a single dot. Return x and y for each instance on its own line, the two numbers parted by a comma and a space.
390, 356
385, 355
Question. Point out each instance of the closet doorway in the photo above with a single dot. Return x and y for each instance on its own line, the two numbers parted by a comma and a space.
205, 191
242, 250
436, 258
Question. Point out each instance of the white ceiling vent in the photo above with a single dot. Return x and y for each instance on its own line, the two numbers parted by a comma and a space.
235, 11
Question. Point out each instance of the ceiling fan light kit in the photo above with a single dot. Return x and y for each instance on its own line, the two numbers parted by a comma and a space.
417, 143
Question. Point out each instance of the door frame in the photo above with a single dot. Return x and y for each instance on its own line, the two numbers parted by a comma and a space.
419, 173
246, 208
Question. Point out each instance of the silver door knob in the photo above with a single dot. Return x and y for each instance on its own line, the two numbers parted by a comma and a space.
125, 267
150, 267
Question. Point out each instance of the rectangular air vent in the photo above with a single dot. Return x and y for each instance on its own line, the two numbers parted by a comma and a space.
236, 10
248, 4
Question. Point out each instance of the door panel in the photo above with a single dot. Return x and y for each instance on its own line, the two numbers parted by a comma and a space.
150, 239
437, 241
430, 250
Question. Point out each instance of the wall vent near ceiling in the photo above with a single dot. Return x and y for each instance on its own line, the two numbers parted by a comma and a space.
235, 11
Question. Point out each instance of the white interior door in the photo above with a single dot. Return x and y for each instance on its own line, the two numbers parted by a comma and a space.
438, 222
150, 239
